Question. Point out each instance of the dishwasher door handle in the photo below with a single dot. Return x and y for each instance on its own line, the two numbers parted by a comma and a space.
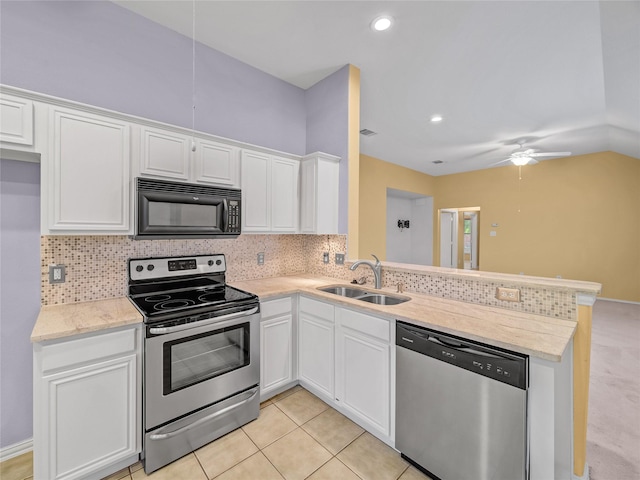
462, 347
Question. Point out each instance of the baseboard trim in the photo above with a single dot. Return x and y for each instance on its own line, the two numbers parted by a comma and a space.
585, 475
617, 301
16, 449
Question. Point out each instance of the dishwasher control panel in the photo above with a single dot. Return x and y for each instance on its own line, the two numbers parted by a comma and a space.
501, 365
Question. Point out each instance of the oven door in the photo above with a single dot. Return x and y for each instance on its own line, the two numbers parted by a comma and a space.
194, 365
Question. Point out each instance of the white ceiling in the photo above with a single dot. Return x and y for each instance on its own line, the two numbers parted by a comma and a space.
562, 75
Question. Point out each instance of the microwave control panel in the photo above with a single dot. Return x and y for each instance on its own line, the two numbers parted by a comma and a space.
233, 216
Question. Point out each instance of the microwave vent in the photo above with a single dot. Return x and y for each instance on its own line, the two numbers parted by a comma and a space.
146, 185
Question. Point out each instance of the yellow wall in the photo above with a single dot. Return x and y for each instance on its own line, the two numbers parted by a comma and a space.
375, 177
354, 160
578, 217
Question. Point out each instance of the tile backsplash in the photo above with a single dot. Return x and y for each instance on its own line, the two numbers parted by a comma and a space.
97, 269
97, 265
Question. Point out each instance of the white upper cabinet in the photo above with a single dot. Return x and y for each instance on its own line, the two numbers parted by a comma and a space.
168, 154
216, 163
87, 173
270, 195
284, 194
319, 187
164, 154
16, 120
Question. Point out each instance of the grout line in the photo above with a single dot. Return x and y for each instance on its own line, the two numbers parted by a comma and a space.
200, 463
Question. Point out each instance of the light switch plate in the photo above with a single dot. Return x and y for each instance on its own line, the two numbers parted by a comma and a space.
57, 273
261, 258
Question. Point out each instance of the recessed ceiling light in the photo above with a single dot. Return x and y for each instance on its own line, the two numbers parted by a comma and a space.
382, 23
436, 118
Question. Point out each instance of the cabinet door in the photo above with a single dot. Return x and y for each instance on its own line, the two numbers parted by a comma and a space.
363, 378
90, 419
319, 191
363, 360
16, 120
308, 196
284, 195
216, 163
316, 353
276, 347
256, 188
88, 186
164, 154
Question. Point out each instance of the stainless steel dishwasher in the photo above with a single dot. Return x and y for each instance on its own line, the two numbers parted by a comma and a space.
461, 407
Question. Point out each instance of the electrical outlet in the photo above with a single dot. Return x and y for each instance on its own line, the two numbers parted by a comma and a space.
261, 258
339, 258
508, 294
56, 273
325, 257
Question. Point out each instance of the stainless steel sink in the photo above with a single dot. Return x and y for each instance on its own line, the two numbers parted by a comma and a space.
365, 296
383, 299
343, 291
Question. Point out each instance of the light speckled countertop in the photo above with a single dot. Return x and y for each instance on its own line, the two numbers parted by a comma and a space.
68, 319
535, 335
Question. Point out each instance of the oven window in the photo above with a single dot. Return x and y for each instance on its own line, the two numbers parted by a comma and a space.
194, 359
182, 214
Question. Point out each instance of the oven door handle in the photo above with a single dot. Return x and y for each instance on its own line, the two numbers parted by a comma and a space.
202, 323
165, 436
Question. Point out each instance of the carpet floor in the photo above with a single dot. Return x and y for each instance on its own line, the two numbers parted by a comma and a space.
613, 431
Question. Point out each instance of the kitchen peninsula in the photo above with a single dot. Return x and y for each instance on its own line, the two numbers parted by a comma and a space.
552, 344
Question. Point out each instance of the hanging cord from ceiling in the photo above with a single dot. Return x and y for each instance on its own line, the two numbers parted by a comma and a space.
519, 186
193, 75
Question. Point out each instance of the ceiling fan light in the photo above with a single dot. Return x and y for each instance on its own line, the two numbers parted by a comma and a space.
520, 160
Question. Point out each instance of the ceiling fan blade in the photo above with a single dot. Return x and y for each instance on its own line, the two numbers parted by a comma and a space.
550, 154
498, 163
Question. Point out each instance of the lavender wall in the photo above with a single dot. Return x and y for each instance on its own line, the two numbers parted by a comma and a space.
327, 104
19, 294
102, 54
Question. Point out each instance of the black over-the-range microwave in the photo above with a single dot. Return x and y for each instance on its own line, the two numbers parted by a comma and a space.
182, 210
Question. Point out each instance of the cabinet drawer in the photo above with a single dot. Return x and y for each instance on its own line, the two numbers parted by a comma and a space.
273, 308
319, 309
374, 326
88, 349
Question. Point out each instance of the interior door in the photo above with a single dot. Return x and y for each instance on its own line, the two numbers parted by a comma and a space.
448, 239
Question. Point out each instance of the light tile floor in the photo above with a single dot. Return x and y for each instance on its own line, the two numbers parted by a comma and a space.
296, 436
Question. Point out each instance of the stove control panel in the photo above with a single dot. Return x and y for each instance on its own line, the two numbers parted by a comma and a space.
167, 267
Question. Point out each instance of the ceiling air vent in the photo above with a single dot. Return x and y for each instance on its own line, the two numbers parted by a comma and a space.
437, 162
367, 133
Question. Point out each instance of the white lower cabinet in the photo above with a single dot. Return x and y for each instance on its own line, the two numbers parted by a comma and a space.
276, 346
87, 409
363, 369
316, 353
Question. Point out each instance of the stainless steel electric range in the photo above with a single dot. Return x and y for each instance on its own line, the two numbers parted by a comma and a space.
201, 354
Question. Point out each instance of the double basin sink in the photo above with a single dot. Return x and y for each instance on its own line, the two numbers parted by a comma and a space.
364, 295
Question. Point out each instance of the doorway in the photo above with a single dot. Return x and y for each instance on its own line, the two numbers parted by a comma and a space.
459, 237
409, 228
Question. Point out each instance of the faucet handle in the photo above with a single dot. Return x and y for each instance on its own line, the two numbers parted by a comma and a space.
377, 260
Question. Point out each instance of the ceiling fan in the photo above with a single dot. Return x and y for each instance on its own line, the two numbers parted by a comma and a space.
523, 156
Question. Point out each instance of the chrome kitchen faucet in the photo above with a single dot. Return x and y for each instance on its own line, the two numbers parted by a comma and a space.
377, 269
